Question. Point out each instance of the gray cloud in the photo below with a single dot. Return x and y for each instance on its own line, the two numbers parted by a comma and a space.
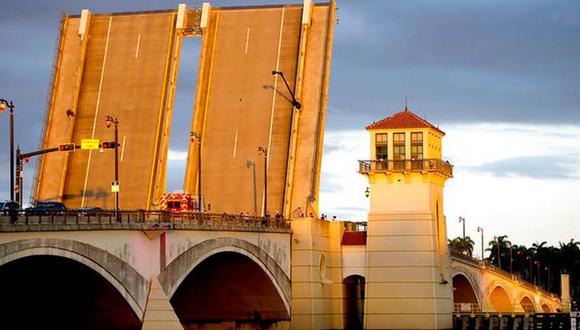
536, 167
457, 61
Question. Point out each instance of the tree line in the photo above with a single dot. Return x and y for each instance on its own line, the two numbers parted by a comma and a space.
539, 264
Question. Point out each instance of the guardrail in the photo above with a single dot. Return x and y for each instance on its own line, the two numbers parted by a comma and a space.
423, 165
138, 219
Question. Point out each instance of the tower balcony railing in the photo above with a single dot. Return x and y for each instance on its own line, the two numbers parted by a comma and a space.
407, 165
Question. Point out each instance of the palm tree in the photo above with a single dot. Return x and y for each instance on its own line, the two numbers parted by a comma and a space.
462, 245
500, 253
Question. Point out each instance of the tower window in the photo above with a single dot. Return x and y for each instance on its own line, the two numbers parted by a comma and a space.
381, 146
399, 146
417, 146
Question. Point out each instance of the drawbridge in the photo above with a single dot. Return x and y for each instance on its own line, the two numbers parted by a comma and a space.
126, 65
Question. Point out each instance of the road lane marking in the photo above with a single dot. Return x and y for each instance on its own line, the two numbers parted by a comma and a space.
247, 40
274, 100
123, 148
138, 44
97, 110
272, 110
235, 145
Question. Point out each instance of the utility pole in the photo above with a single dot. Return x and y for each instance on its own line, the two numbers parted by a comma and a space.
108, 122
462, 219
3, 105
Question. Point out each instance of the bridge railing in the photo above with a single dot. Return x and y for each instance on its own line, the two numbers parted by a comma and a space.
138, 219
407, 165
489, 266
469, 308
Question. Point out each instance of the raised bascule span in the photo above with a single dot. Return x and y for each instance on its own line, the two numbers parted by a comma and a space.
126, 65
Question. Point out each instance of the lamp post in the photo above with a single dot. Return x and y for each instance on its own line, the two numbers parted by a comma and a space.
531, 279
108, 122
479, 229
192, 137
251, 164
294, 102
539, 279
496, 239
511, 259
264, 151
548, 281
462, 219
3, 105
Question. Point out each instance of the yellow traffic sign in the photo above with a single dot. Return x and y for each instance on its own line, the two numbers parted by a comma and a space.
90, 144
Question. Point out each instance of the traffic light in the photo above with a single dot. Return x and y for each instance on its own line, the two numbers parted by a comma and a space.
108, 145
66, 147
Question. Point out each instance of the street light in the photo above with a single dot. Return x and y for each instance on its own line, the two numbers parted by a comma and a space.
549, 278
192, 137
3, 105
531, 275
367, 192
479, 229
109, 121
539, 280
251, 164
496, 239
264, 151
511, 258
295, 102
462, 219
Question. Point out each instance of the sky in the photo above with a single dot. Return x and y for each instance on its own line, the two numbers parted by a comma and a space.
501, 78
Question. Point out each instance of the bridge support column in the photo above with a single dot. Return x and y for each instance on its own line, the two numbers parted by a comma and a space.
159, 314
565, 281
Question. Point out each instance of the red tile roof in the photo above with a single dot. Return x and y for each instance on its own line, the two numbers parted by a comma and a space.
354, 238
403, 119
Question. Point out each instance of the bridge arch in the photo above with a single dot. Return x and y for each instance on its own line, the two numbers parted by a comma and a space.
177, 271
126, 280
465, 292
546, 308
527, 304
500, 298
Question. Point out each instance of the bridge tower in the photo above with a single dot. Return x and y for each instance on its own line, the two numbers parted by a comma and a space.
408, 284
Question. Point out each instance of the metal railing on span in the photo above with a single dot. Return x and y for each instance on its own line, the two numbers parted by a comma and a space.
486, 264
137, 219
409, 165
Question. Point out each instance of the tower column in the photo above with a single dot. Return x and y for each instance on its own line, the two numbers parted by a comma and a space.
408, 283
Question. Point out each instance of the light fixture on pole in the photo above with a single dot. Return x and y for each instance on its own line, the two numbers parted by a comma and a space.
294, 102
462, 219
264, 151
511, 258
3, 105
109, 121
539, 278
496, 239
194, 136
252, 165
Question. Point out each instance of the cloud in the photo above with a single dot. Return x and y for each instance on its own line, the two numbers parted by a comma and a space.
176, 155
536, 167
